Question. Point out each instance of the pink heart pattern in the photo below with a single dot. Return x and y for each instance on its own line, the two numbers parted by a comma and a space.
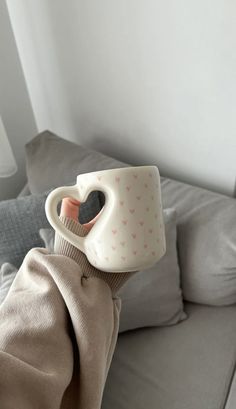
129, 217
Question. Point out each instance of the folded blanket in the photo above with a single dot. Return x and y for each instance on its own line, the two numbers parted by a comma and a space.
58, 330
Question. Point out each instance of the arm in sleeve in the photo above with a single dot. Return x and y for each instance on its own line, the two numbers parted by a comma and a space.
36, 354
58, 330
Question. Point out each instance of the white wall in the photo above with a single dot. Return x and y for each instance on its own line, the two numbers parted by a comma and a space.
147, 81
15, 108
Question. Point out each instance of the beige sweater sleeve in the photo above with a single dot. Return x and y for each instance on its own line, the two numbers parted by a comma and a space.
58, 330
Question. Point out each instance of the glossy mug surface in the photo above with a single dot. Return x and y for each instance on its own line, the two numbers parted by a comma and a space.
129, 234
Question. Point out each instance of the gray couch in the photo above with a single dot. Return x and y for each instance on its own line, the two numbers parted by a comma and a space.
190, 365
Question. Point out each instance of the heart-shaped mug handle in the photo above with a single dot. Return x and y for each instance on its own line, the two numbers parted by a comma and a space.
51, 210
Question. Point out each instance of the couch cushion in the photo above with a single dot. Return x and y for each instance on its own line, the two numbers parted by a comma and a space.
206, 242
186, 366
52, 161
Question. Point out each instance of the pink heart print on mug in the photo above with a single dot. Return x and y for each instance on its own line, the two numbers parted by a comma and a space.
129, 234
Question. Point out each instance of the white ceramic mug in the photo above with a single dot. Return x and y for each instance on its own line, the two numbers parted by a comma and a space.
129, 234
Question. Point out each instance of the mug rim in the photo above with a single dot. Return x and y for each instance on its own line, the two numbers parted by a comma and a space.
119, 169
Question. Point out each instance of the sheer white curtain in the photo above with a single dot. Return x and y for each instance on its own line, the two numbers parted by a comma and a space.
8, 164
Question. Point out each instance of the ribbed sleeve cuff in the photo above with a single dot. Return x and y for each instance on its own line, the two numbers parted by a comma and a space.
62, 246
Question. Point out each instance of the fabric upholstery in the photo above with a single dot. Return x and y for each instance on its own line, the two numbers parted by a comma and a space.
52, 161
20, 221
206, 242
186, 366
25, 191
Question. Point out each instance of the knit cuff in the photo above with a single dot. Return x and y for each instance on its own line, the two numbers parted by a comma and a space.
62, 246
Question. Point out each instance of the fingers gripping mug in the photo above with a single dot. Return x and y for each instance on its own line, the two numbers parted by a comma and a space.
129, 234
